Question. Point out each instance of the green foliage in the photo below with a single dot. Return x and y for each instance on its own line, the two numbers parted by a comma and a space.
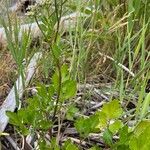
114, 127
71, 112
95, 148
68, 145
140, 137
54, 145
40, 108
108, 137
123, 142
117, 28
34, 115
101, 119
134, 139
112, 110
145, 106
68, 86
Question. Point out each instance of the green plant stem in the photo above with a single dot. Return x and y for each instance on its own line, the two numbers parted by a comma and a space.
57, 59
36, 20
58, 92
58, 17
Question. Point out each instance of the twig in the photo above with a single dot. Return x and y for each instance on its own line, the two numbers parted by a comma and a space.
79, 142
119, 64
12, 142
97, 105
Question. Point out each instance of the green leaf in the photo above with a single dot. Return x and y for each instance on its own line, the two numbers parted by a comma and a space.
141, 127
55, 80
145, 106
44, 125
18, 120
141, 137
95, 148
71, 112
13, 118
133, 143
107, 137
94, 123
33, 103
43, 145
42, 92
64, 73
124, 136
123, 141
115, 126
112, 109
22, 115
51, 91
56, 51
31, 116
68, 145
123, 147
64, 76
69, 89
102, 120
54, 145
23, 129
82, 126
43, 27
131, 9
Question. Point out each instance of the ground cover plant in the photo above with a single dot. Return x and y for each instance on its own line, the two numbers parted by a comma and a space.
91, 88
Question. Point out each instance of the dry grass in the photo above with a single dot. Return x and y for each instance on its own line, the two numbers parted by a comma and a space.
7, 73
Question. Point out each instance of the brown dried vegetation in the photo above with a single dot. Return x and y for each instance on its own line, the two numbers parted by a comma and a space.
7, 73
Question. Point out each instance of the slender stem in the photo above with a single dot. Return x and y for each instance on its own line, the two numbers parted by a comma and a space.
58, 18
35, 17
58, 92
57, 59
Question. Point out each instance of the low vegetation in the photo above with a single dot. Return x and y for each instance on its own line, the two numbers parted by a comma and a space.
91, 87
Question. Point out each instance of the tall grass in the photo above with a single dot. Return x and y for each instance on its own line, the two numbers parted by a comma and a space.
120, 29
18, 43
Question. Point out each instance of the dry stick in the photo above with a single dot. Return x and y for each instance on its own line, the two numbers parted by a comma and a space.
12, 142
10, 101
119, 64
